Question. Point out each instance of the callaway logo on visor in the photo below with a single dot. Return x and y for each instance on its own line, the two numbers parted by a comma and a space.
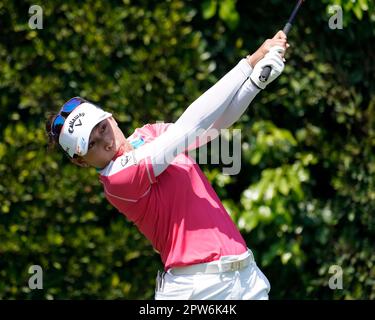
75, 135
79, 123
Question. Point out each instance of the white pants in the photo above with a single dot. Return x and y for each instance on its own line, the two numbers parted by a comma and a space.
246, 284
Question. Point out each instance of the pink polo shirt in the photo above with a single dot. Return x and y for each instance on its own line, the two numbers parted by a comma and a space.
178, 211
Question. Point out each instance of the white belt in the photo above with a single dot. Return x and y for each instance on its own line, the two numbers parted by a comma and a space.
216, 267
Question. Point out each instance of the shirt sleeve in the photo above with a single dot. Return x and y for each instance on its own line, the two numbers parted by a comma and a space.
128, 179
156, 129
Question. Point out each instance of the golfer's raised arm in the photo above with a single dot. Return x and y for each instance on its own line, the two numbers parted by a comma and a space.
236, 108
248, 90
197, 118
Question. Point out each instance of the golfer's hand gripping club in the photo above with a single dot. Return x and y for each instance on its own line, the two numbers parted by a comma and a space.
267, 70
273, 59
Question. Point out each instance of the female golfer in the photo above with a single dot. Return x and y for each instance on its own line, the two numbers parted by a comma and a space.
150, 178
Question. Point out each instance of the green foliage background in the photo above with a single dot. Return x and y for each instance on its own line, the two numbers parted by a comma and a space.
305, 197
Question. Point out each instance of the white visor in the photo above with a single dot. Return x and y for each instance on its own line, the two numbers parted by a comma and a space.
75, 133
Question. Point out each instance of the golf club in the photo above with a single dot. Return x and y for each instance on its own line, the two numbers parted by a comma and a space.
267, 70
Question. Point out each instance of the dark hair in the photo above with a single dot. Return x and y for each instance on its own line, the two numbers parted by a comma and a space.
52, 139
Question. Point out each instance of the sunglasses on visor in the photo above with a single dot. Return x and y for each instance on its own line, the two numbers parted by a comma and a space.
64, 112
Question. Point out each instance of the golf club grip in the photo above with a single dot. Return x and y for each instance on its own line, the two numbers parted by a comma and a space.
267, 70
287, 28
264, 75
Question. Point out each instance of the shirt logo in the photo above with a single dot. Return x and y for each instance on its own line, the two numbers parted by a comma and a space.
72, 123
125, 160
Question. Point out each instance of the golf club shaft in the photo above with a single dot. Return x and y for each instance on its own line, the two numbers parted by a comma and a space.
267, 70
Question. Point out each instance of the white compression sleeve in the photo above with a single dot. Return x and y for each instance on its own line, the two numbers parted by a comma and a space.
238, 105
197, 118
236, 108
